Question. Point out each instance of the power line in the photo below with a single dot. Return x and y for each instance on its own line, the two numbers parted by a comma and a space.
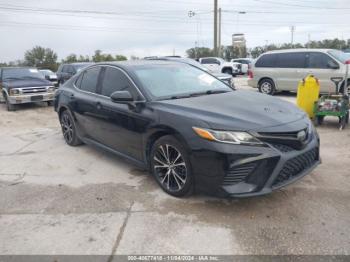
303, 6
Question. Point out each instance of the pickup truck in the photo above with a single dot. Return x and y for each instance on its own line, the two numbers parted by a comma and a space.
21, 85
219, 65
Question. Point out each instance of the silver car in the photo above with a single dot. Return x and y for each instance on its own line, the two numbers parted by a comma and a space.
283, 69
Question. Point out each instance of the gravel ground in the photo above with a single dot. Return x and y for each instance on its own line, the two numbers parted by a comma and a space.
56, 199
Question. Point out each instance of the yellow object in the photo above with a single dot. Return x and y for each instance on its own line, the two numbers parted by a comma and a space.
308, 94
203, 133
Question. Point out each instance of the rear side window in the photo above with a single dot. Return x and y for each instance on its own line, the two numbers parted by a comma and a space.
292, 60
90, 79
319, 60
115, 80
268, 60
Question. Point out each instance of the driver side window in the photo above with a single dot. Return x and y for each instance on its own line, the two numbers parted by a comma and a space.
116, 80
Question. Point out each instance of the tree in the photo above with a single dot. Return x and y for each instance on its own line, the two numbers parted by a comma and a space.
72, 58
100, 57
120, 58
198, 52
41, 57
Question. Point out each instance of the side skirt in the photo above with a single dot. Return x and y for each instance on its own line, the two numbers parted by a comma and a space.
138, 163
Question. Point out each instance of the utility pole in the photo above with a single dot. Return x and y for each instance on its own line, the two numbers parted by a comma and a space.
215, 27
308, 40
292, 30
219, 38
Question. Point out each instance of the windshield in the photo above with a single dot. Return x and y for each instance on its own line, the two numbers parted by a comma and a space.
195, 63
339, 55
173, 80
20, 73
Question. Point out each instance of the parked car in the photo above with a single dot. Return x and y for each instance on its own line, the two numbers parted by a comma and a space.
49, 75
219, 65
193, 132
226, 78
21, 85
245, 62
66, 71
283, 69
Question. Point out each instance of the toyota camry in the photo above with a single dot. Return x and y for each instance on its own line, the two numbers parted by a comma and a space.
190, 130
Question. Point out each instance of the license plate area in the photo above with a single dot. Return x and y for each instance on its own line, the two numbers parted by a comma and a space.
36, 98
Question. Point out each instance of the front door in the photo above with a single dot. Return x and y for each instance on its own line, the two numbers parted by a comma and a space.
319, 66
120, 126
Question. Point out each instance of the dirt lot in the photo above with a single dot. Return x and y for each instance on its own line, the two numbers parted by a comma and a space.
56, 199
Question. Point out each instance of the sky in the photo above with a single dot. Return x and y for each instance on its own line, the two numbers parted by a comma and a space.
161, 27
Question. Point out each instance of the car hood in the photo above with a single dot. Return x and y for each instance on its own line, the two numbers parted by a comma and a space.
237, 110
29, 82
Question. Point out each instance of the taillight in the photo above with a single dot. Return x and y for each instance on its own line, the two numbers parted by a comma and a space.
250, 73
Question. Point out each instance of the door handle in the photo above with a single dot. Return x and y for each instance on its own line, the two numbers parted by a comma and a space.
98, 106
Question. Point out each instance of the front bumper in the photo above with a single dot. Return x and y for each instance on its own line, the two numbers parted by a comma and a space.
241, 171
31, 98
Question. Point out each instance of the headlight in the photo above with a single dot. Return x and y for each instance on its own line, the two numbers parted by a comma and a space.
14, 92
227, 136
51, 89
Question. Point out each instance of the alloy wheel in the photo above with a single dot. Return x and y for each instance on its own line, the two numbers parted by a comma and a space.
67, 128
170, 168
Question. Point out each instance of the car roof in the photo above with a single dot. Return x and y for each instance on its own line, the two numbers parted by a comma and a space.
299, 50
79, 63
130, 64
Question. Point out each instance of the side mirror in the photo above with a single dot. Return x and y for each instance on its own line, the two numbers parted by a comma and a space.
332, 65
121, 97
47, 77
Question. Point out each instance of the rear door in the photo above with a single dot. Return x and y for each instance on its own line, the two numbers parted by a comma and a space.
319, 66
291, 69
84, 102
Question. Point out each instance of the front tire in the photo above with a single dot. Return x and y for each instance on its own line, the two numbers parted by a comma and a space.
171, 167
267, 86
10, 107
69, 130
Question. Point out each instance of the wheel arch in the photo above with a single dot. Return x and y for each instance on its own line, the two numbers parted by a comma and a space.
227, 67
157, 134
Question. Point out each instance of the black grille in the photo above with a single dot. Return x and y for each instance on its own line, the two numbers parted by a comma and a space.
283, 148
293, 167
283, 134
238, 174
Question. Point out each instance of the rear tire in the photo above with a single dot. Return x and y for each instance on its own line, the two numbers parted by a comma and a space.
267, 86
171, 167
69, 130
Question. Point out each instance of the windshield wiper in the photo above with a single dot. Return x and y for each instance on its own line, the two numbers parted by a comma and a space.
180, 96
209, 92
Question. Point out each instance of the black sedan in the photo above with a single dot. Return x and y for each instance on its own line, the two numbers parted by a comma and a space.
189, 129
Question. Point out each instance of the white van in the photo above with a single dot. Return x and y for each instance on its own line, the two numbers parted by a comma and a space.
282, 70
